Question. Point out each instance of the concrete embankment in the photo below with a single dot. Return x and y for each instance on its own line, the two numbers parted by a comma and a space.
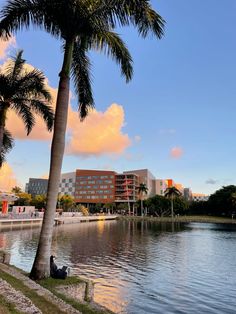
78, 219
19, 294
4, 222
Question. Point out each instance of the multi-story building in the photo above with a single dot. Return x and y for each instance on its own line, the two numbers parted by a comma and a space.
37, 186
67, 184
126, 188
146, 177
187, 194
95, 186
197, 197
160, 186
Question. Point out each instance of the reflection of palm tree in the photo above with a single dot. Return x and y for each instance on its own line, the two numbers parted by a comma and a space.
81, 26
171, 193
25, 94
142, 189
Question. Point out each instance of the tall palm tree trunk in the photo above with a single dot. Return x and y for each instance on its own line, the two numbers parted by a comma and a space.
41, 267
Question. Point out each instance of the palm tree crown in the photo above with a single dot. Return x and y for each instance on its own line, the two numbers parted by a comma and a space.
172, 191
81, 26
142, 188
23, 92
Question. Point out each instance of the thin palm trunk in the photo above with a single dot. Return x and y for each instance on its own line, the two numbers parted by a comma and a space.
141, 205
172, 207
41, 267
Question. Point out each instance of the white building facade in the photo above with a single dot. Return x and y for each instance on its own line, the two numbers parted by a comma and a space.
67, 184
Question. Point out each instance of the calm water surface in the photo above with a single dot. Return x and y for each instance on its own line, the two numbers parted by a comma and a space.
144, 267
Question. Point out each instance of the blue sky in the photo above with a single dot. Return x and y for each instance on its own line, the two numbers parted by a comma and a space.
183, 95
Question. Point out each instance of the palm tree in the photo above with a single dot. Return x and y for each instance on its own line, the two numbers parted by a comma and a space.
16, 190
171, 193
81, 25
25, 93
142, 189
7, 145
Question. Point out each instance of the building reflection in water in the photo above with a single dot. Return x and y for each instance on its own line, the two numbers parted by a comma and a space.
119, 256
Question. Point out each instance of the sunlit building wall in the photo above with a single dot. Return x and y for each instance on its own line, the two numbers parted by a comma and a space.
94, 186
160, 186
126, 188
197, 197
146, 177
187, 194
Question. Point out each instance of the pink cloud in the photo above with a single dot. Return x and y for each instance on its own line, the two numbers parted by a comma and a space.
176, 152
5, 45
100, 133
7, 178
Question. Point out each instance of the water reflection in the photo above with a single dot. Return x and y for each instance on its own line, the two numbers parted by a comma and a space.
144, 267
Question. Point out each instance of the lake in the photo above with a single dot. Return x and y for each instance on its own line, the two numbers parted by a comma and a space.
144, 267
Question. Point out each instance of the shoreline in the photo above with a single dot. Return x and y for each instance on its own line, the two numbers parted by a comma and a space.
180, 219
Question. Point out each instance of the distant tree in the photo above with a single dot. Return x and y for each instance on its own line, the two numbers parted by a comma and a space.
67, 202
180, 205
222, 202
142, 189
198, 208
23, 200
171, 193
39, 201
110, 207
16, 190
158, 205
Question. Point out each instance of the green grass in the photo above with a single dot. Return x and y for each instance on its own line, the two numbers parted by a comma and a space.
85, 308
7, 307
39, 301
203, 219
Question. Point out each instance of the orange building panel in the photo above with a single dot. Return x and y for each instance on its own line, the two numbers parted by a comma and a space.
94, 186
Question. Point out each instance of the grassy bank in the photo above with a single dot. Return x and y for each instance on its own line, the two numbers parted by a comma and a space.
202, 219
43, 301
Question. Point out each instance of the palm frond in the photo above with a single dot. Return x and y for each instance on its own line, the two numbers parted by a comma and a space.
17, 14
113, 46
82, 79
139, 13
8, 144
15, 66
32, 83
22, 109
44, 111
